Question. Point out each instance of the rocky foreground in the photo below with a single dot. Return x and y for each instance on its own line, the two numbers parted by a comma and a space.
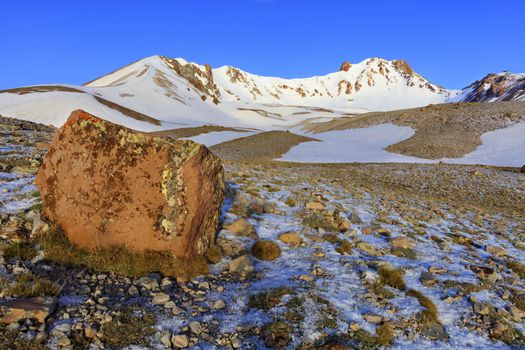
308, 257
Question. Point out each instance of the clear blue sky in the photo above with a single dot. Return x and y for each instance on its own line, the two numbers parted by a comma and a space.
452, 43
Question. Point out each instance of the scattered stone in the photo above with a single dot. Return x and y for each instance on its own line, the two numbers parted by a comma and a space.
242, 264
219, 304
180, 341
37, 308
160, 299
243, 228
195, 327
495, 250
315, 206
291, 238
402, 242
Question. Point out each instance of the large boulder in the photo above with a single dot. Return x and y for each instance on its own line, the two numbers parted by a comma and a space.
107, 185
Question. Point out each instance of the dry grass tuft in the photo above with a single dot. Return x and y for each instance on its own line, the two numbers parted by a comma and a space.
266, 250
119, 259
129, 327
22, 250
430, 314
269, 298
28, 285
392, 277
517, 267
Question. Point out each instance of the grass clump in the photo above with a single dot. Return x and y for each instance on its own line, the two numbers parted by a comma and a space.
517, 267
430, 314
383, 338
518, 300
269, 298
14, 340
129, 327
277, 335
28, 285
317, 220
406, 253
291, 202
22, 250
392, 277
214, 255
118, 259
266, 250
331, 238
344, 248
384, 334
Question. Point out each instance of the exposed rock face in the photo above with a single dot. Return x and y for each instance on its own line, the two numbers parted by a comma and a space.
108, 185
32, 308
496, 87
345, 66
403, 66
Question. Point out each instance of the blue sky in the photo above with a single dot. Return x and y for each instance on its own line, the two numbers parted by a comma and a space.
452, 43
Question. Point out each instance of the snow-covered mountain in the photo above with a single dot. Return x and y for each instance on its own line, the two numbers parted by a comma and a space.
161, 93
503, 86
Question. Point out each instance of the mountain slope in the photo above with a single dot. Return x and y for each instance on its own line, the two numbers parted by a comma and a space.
176, 93
503, 86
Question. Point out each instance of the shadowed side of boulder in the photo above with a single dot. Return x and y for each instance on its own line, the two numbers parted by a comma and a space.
107, 185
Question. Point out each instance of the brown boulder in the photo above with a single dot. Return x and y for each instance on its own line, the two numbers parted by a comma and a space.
345, 66
107, 185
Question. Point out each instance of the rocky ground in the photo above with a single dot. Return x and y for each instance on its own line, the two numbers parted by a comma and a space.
309, 257
449, 130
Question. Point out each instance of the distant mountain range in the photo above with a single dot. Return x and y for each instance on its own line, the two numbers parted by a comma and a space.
164, 93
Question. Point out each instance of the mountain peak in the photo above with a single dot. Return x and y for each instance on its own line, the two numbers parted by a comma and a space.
345, 66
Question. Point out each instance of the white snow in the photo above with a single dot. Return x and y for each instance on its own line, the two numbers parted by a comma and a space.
503, 147
215, 137
363, 145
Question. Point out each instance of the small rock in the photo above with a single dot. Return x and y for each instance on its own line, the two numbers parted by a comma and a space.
481, 308
436, 331
148, 283
242, 227
63, 341
368, 248
180, 341
242, 264
402, 242
373, 318
195, 327
292, 238
495, 250
427, 278
219, 304
165, 339
307, 278
315, 206
160, 299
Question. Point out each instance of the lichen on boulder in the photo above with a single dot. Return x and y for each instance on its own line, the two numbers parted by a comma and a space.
107, 185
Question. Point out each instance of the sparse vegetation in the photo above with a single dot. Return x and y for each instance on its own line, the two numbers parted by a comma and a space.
129, 327
406, 253
23, 250
517, 267
269, 298
266, 250
430, 314
118, 259
392, 277
28, 285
